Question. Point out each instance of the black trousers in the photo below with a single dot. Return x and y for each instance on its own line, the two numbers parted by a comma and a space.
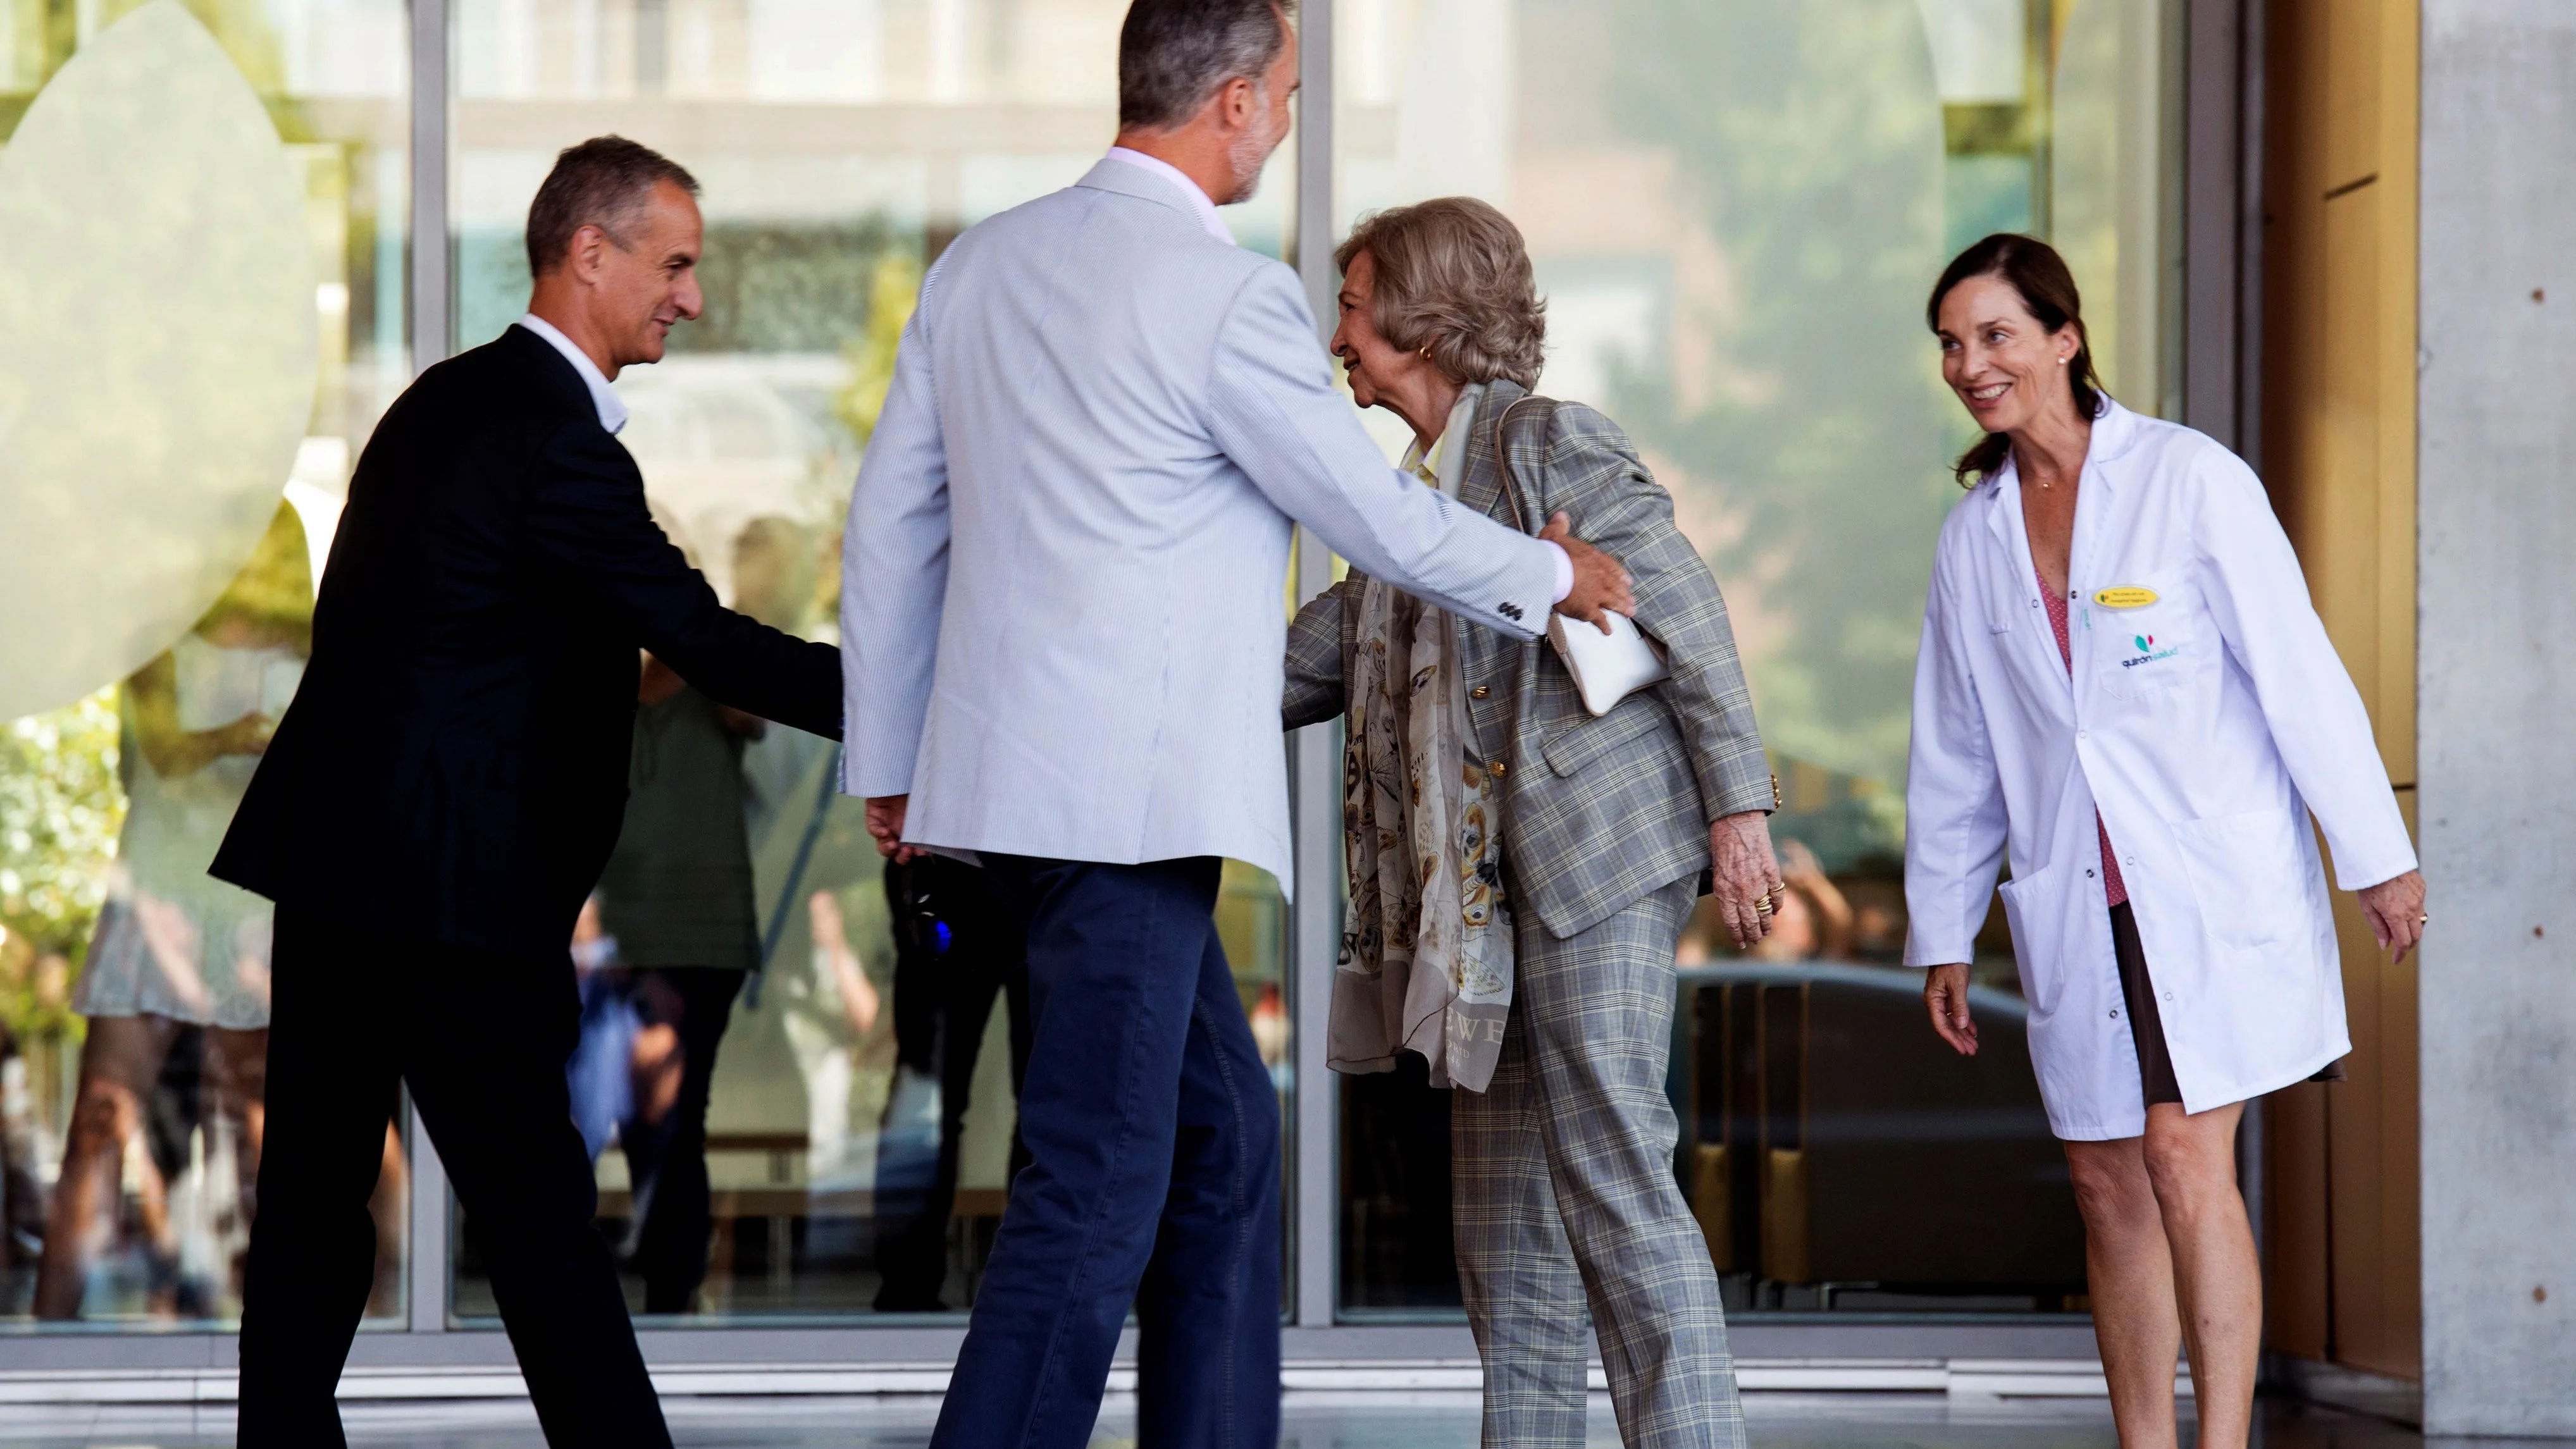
667, 1160
482, 1041
944, 986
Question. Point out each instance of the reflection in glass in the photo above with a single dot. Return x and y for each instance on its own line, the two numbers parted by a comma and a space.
206, 211
2115, 171
175, 984
858, 1112
1735, 209
152, 1200
172, 365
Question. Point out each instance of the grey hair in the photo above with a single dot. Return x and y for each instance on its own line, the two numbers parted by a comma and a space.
602, 182
1454, 282
1174, 54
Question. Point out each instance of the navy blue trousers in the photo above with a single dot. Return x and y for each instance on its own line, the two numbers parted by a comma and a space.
1153, 1177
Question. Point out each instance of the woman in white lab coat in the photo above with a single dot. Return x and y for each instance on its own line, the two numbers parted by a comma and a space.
2124, 691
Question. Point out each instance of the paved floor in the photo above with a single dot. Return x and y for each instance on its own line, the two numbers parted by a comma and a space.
1431, 1420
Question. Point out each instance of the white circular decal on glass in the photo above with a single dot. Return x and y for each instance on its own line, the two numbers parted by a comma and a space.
158, 339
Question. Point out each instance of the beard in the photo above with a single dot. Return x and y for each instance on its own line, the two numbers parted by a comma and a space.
1249, 153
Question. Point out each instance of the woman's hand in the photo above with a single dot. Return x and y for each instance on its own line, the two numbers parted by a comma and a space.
1743, 873
2395, 908
172, 751
248, 735
1945, 995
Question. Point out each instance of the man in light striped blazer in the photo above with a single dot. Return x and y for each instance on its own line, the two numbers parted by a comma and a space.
1063, 637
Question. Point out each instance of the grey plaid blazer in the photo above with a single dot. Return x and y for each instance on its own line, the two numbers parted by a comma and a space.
1597, 812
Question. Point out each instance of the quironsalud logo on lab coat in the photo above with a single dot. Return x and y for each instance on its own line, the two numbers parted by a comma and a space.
2148, 653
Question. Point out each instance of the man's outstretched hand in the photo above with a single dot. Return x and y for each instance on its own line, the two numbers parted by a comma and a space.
885, 825
1600, 584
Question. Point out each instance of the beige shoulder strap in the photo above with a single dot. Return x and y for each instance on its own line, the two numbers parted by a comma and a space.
1544, 414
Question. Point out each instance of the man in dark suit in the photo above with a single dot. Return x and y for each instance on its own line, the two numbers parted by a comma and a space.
443, 793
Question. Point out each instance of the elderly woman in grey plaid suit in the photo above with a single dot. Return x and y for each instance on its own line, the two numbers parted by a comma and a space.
1523, 941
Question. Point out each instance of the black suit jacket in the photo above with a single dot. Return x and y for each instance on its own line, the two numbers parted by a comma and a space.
454, 765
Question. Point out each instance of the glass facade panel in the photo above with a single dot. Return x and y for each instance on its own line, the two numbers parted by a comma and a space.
203, 214
858, 1111
1736, 209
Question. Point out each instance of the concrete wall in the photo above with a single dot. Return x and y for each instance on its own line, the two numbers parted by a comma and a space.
2497, 716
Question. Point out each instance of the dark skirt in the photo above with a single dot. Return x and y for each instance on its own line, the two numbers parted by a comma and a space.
2146, 1025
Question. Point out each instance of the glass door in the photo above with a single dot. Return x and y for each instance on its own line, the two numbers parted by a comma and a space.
1736, 209
203, 222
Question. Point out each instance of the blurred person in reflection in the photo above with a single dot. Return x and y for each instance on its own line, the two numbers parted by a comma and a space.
676, 897
956, 948
1270, 1032
1520, 870
828, 1016
1811, 919
22, 1200
178, 956
438, 802
2124, 691
1878, 926
1814, 921
601, 1073
1061, 611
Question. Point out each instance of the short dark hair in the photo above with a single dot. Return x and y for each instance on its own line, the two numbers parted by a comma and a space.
1174, 54
2036, 273
603, 183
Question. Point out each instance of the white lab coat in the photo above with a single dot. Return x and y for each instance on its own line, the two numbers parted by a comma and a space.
2204, 726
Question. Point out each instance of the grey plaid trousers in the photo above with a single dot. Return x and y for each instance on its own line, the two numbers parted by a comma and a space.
1563, 1197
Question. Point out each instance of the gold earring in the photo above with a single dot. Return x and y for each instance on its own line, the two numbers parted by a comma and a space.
1423, 352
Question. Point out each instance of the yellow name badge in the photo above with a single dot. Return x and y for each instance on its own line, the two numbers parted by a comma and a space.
2125, 598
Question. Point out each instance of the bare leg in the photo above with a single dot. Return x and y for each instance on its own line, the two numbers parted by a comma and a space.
2191, 1160
237, 1094
237, 1069
388, 1205
120, 1062
2131, 1272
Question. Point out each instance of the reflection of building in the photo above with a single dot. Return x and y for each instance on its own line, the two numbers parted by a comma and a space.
728, 439
1676, 172
1735, 207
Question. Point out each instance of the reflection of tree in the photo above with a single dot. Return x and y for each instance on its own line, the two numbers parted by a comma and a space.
244, 28
1815, 141
60, 810
789, 286
61, 806
893, 291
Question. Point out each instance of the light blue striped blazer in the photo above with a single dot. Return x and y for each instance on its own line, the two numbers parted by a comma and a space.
1061, 613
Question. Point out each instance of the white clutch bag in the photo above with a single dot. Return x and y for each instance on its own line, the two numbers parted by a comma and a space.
1607, 668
